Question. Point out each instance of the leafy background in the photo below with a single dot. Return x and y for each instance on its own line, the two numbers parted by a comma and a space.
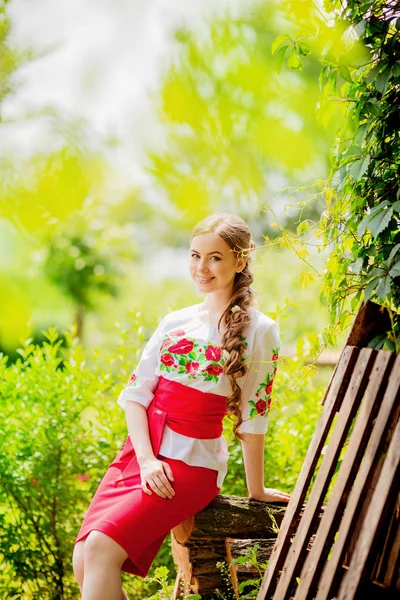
284, 112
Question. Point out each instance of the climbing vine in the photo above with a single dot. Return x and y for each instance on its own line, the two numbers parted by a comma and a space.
360, 221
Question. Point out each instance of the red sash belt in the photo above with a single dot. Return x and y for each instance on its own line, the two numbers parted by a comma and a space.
185, 410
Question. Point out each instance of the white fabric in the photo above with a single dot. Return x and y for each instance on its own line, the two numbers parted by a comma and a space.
185, 349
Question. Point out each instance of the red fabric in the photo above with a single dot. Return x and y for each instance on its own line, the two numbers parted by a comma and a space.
185, 410
135, 520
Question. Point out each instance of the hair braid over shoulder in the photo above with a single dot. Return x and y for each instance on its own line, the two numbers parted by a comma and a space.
236, 233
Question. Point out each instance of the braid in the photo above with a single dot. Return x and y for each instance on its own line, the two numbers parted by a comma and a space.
237, 235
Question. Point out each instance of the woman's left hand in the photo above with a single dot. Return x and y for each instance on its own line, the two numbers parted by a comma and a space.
271, 495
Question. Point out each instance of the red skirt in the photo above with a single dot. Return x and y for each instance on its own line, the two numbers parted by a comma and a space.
139, 522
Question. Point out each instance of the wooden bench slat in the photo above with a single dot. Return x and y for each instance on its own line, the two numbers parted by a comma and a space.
333, 398
360, 435
389, 412
369, 534
347, 412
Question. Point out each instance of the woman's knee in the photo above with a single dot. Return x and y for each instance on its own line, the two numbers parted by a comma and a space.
100, 547
78, 562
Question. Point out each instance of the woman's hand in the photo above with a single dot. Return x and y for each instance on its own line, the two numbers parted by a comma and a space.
271, 495
157, 475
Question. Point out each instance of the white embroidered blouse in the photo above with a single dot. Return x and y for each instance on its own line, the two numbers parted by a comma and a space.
186, 349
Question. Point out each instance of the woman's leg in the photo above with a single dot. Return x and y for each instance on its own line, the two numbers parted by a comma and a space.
78, 566
102, 560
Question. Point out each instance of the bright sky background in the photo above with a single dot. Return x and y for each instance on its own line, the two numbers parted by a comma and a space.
102, 60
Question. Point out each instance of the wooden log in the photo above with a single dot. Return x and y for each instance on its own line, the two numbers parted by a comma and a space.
231, 516
371, 320
238, 548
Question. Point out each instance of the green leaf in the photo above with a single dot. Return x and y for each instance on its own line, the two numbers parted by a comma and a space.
382, 80
280, 55
380, 221
353, 150
304, 49
358, 167
377, 220
247, 583
383, 288
392, 254
339, 177
294, 61
277, 43
395, 270
356, 266
345, 73
369, 288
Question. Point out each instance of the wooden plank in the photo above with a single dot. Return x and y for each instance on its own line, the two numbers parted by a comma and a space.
348, 410
334, 509
369, 535
388, 414
392, 570
386, 560
333, 399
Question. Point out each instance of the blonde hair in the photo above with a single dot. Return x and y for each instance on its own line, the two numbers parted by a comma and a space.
236, 233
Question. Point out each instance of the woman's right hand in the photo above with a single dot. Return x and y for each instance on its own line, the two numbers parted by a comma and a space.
157, 475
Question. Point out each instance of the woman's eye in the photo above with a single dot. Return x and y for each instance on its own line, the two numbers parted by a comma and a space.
197, 256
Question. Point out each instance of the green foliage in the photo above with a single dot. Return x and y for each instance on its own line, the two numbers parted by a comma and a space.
360, 221
39, 192
52, 452
60, 428
363, 217
231, 122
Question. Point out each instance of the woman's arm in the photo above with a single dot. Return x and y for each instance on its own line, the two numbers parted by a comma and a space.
253, 457
154, 473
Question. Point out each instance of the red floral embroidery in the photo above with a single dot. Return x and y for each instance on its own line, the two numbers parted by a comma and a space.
187, 357
213, 353
213, 369
167, 360
165, 344
261, 407
192, 368
132, 378
177, 332
182, 347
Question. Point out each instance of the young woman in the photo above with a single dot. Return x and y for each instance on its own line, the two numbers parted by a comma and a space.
202, 362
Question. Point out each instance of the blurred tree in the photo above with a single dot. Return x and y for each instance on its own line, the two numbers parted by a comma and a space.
85, 257
236, 131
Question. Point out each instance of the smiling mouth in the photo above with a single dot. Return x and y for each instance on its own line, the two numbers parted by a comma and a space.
201, 280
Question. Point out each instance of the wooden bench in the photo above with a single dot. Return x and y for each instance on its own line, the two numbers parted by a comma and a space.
344, 543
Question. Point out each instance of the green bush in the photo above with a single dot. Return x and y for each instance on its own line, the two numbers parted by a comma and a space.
61, 427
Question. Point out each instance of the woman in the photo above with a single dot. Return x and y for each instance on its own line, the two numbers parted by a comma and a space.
202, 362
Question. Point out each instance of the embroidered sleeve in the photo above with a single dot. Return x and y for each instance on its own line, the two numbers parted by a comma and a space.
258, 384
144, 379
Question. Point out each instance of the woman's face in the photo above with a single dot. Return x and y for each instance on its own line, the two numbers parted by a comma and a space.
213, 265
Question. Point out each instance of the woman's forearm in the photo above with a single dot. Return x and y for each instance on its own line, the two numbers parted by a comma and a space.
253, 458
138, 429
